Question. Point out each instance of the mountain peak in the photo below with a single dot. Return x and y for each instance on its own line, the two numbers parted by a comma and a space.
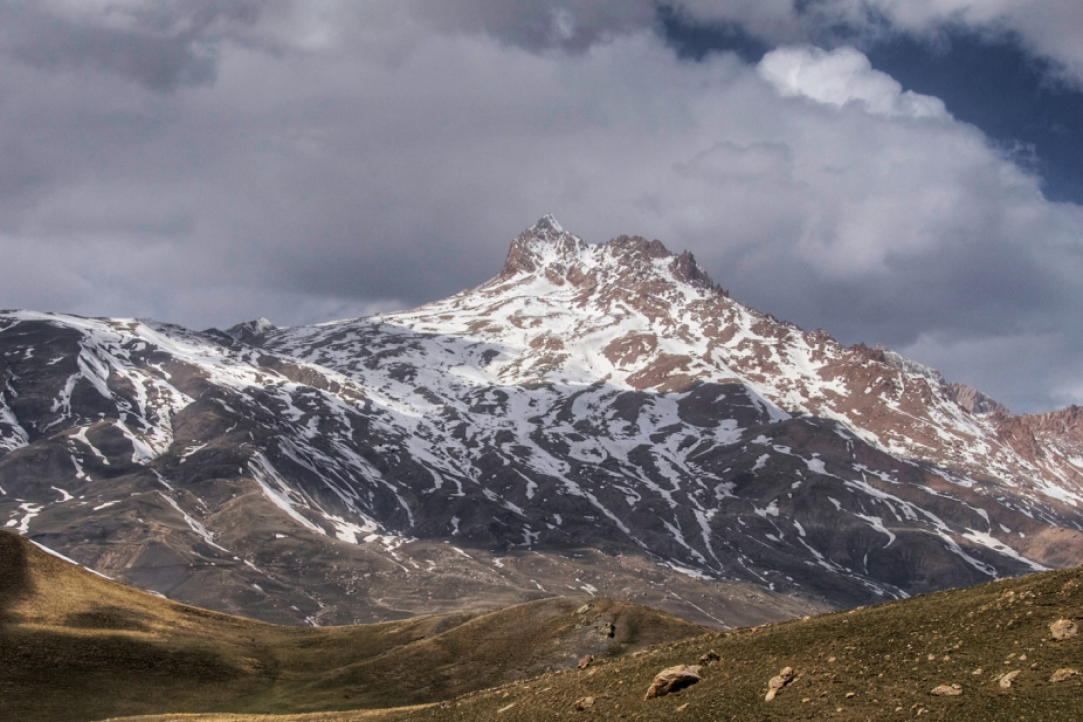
250, 331
546, 248
547, 223
538, 246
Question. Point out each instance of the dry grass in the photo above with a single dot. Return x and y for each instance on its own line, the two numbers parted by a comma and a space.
75, 646
873, 663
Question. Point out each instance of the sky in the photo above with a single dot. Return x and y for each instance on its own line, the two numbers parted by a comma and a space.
904, 172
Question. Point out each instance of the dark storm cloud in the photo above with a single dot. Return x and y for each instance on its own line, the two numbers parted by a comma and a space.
537, 25
162, 45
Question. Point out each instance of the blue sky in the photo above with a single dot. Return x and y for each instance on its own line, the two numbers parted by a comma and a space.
990, 80
905, 173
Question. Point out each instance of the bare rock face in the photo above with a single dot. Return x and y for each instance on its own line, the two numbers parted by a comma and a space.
974, 401
673, 679
1063, 629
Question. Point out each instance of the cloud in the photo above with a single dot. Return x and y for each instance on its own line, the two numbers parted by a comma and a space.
350, 157
164, 45
571, 25
725, 163
1051, 29
842, 76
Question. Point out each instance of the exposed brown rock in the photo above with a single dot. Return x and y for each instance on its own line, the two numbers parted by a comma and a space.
973, 400
672, 679
782, 679
1063, 629
946, 690
711, 656
584, 703
776, 683
1063, 675
630, 347
1007, 679
585, 661
659, 371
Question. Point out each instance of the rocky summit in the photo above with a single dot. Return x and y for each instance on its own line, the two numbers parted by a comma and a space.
596, 418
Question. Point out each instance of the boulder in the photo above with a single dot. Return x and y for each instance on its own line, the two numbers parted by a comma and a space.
946, 690
783, 678
776, 683
1063, 629
672, 679
711, 656
1063, 675
585, 661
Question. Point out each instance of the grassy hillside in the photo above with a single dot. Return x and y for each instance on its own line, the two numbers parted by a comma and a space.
873, 663
75, 646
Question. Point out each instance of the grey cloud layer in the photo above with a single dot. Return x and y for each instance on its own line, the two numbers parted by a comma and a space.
210, 162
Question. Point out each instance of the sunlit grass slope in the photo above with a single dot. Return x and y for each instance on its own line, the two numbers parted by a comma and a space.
873, 663
75, 646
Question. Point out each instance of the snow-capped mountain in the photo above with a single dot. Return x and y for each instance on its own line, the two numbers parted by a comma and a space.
605, 400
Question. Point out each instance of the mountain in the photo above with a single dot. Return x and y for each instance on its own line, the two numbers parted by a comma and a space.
602, 418
75, 646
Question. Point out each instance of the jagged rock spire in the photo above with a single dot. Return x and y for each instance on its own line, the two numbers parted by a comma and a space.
547, 223
547, 248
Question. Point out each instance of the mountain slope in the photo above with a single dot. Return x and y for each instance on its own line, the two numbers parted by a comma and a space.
608, 398
75, 646
873, 663
621, 377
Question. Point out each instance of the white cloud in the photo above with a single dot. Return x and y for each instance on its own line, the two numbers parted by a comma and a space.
842, 76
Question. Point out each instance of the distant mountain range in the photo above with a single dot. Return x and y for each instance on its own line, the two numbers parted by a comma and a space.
597, 418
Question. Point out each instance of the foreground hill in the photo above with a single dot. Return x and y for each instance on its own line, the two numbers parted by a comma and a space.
871, 663
75, 646
595, 418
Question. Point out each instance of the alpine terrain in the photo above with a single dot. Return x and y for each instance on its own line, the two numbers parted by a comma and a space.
594, 419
